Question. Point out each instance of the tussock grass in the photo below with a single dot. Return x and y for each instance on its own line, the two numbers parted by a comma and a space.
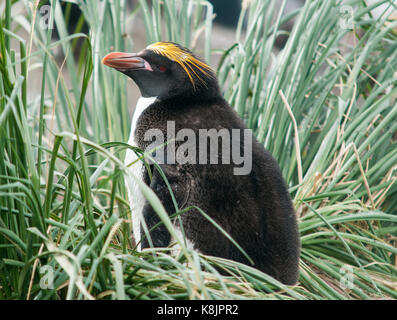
325, 106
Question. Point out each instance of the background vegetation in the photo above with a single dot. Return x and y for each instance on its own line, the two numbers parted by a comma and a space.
325, 106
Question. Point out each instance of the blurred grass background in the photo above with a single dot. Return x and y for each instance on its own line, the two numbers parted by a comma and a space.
323, 102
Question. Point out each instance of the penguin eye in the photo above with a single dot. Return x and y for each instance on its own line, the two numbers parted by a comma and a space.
162, 68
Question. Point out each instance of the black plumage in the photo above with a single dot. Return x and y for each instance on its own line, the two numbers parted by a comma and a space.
254, 209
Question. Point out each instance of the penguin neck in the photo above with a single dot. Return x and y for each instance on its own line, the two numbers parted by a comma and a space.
193, 97
142, 104
202, 93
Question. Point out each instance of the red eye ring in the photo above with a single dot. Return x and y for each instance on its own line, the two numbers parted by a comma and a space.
162, 68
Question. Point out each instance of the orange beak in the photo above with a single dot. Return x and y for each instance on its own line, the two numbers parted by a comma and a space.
125, 61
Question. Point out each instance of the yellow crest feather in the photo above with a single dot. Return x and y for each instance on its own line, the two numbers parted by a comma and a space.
185, 59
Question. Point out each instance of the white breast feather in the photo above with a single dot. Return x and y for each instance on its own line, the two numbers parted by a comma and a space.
176, 247
135, 196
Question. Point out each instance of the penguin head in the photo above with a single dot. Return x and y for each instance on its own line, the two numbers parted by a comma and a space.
166, 70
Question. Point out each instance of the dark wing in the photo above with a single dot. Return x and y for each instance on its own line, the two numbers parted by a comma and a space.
180, 186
